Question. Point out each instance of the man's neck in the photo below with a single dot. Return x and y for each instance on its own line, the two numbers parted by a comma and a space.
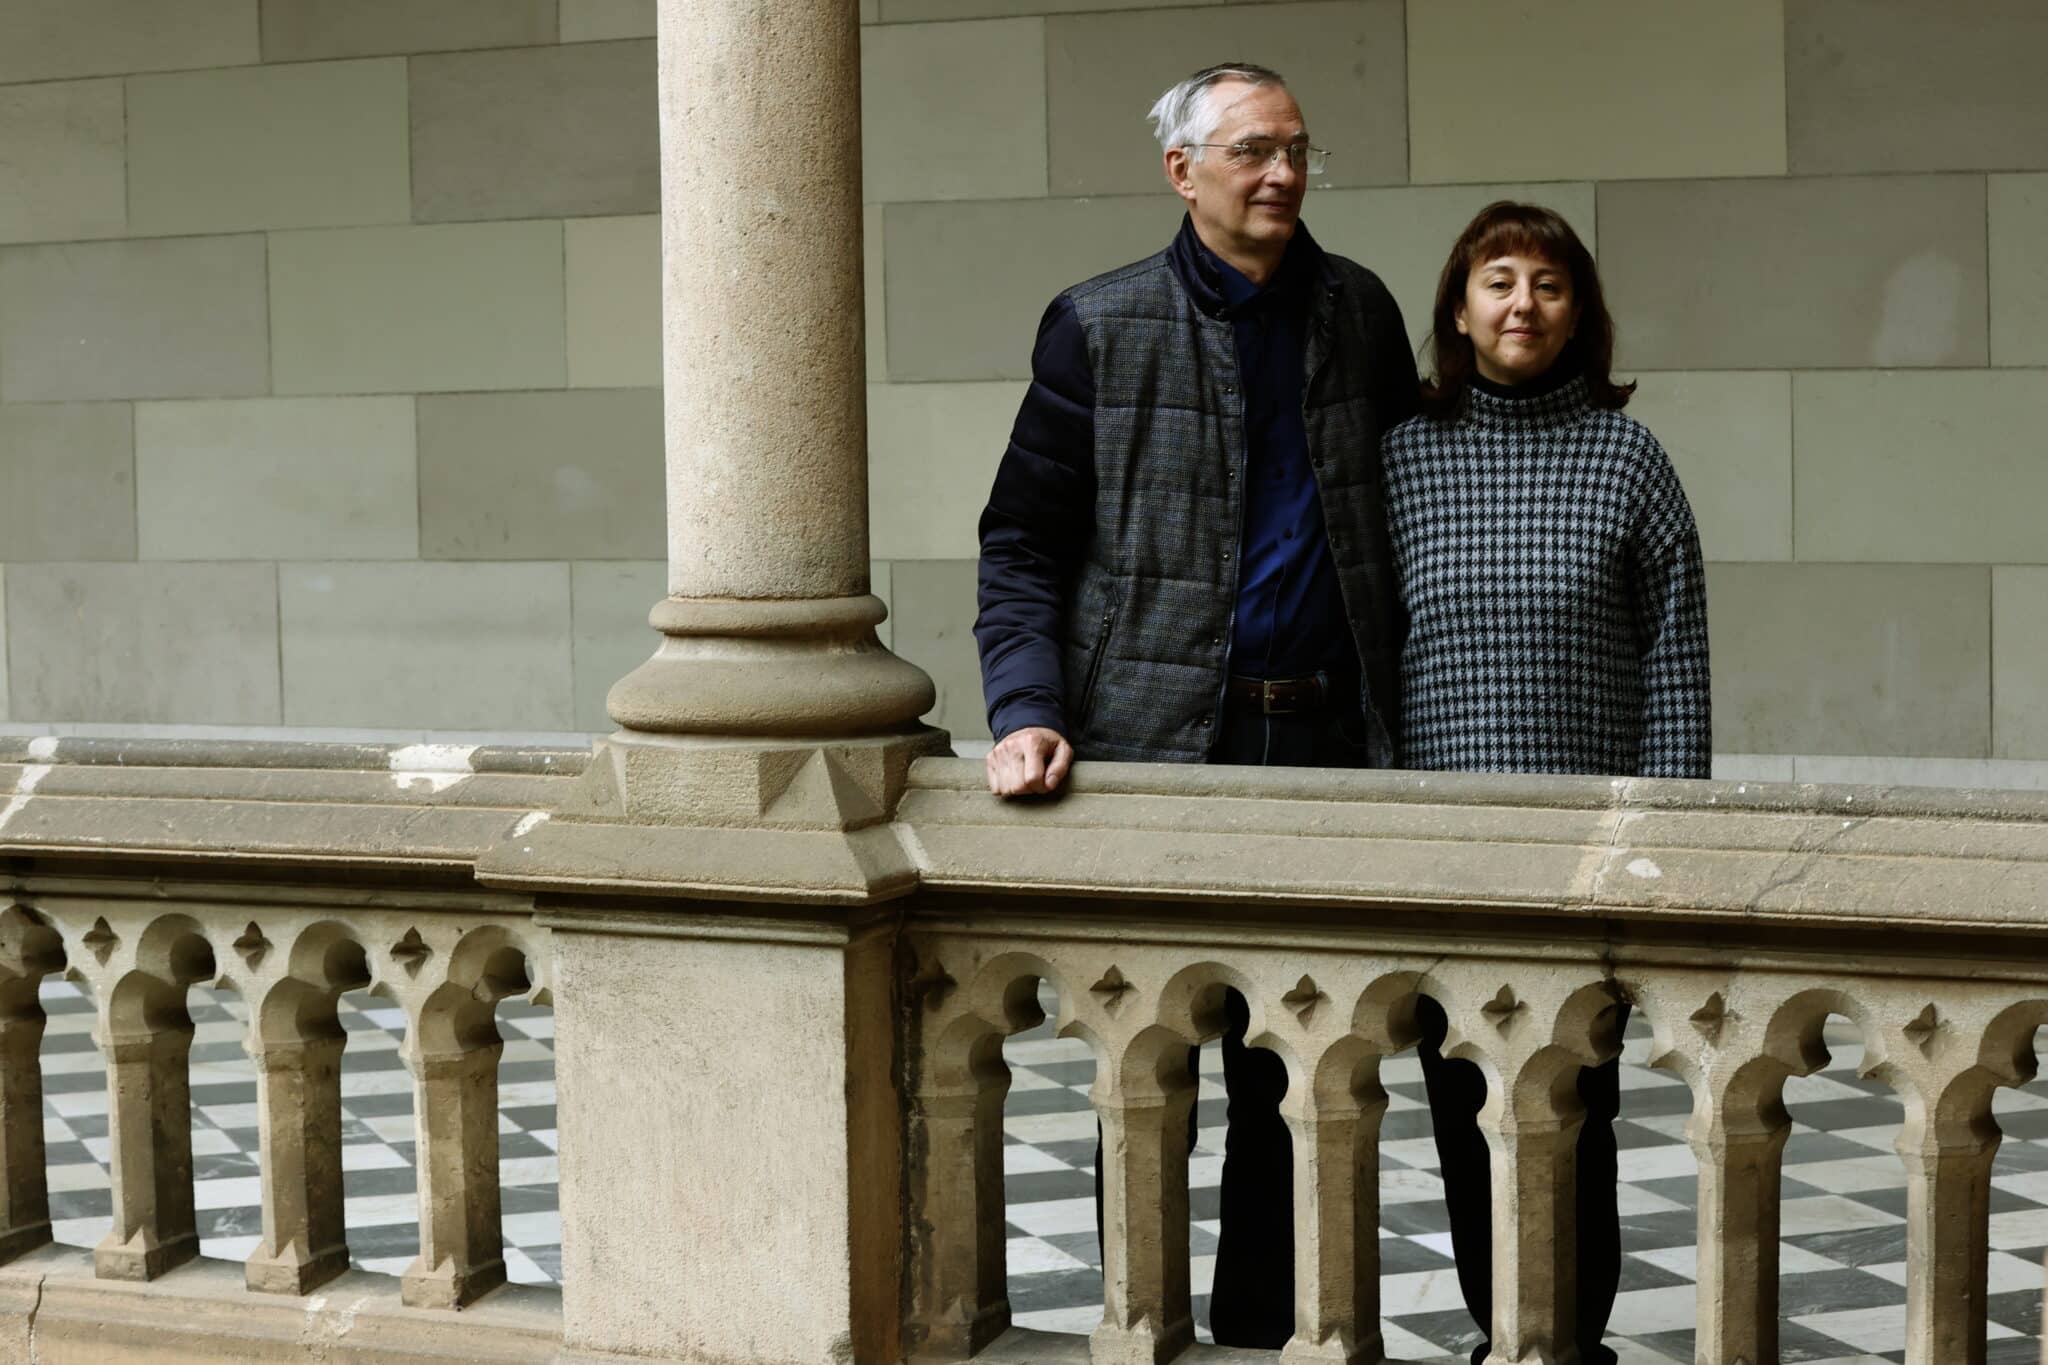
1258, 267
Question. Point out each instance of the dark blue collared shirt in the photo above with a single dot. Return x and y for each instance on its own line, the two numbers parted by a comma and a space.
1290, 611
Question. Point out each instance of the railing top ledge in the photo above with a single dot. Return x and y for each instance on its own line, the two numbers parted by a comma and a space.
1510, 790
1758, 853
304, 755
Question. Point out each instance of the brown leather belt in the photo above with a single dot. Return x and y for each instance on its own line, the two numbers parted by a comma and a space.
1279, 696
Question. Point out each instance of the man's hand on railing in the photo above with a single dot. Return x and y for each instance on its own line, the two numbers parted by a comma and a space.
1029, 762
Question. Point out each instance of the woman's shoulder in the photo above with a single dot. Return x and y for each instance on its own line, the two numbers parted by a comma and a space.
1420, 432
1627, 438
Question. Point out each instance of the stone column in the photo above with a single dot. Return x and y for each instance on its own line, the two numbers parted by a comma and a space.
1146, 1319
455, 1113
149, 1130
1739, 1145
1336, 1225
769, 701
24, 1181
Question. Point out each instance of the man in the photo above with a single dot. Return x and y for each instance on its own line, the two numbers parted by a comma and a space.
1185, 558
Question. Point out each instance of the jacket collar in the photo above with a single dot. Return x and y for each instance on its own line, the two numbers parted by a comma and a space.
1302, 270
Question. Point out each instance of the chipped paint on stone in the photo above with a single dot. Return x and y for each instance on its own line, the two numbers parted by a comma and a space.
438, 766
528, 823
31, 777
43, 748
1644, 868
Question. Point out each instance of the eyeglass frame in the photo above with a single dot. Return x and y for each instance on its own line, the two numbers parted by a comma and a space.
1308, 153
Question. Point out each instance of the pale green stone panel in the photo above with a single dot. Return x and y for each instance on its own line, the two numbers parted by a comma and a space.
1730, 437
544, 132
42, 40
873, 295
1404, 235
896, 11
934, 609
2019, 269
1343, 61
932, 454
586, 21
277, 478
148, 644
5, 714
304, 30
1596, 89
542, 475
1851, 659
312, 144
953, 111
418, 309
1826, 273
1874, 85
62, 171
611, 601
67, 481
953, 316
2019, 661
427, 646
614, 302
1923, 467
165, 318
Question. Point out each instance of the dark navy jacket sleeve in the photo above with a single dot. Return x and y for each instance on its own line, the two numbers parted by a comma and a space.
1038, 523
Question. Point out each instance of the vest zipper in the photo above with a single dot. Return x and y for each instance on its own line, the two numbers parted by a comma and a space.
1236, 558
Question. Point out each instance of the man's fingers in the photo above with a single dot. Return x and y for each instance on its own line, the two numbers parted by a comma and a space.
1056, 771
1031, 773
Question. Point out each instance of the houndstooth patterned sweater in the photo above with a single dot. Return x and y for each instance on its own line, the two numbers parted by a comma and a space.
1557, 603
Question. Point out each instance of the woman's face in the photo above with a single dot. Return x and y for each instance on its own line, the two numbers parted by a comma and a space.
1519, 312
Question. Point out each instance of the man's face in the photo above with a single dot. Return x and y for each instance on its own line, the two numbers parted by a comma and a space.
1245, 204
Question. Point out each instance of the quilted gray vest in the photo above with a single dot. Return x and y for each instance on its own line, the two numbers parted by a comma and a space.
1153, 608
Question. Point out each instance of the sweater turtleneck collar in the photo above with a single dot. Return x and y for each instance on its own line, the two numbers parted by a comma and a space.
1558, 395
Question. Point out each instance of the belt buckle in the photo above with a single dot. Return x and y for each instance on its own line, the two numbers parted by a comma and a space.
1266, 696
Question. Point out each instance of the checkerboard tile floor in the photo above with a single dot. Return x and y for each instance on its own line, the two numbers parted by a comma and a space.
1843, 1260
1842, 1263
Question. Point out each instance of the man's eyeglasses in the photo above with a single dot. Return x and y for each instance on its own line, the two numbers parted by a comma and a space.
1259, 153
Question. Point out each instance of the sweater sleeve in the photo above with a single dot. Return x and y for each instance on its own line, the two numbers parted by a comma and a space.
1671, 628
1038, 522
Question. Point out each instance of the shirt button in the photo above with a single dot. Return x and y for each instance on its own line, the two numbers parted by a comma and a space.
1205, 722
1226, 556
1216, 640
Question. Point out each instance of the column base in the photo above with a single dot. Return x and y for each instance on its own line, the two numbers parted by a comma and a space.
139, 1259
739, 666
1109, 1345
443, 1286
292, 1273
788, 820
1338, 1349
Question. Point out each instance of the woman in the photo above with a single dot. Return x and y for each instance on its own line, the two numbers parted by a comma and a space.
1558, 624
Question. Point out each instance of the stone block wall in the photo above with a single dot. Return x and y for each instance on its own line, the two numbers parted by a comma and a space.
329, 328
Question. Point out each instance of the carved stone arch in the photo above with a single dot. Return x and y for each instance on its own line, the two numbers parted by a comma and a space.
1191, 1004
172, 955
489, 964
1003, 991
1793, 1035
1385, 1013
30, 949
1151, 1065
1347, 1075
326, 960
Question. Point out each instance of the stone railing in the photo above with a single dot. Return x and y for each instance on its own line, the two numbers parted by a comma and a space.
780, 1112
1735, 918
288, 874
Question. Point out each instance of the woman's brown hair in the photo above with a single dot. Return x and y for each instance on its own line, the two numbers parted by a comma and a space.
1506, 228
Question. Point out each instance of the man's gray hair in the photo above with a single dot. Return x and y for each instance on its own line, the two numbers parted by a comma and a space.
1185, 115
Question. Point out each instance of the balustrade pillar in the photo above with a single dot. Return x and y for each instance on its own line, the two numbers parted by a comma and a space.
1948, 1213
1535, 1232
1146, 1315
455, 1109
24, 1182
1739, 1157
149, 1132
298, 1114
959, 1300
1336, 1221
